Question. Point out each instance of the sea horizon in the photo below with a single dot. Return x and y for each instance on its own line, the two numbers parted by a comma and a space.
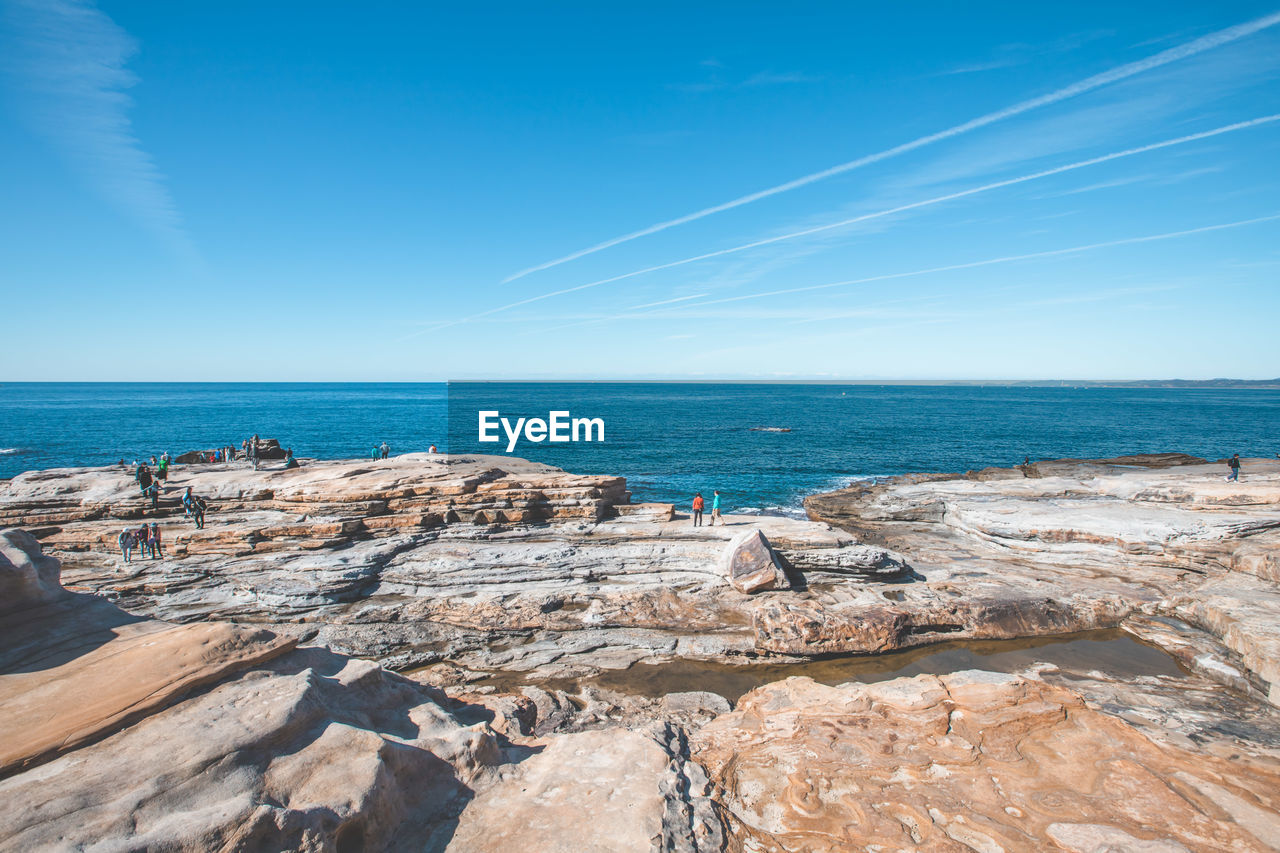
765, 445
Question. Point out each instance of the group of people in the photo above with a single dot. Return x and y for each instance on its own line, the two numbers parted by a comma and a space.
381, 451
699, 505
220, 454
148, 483
146, 537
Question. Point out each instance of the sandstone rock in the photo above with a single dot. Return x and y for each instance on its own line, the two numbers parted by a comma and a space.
973, 760
380, 560
750, 565
213, 736
696, 702
1072, 545
123, 733
27, 577
610, 790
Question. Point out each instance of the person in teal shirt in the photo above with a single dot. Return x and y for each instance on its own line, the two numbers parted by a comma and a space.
715, 509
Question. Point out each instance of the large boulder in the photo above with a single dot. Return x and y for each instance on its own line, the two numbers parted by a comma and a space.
750, 565
606, 791
27, 577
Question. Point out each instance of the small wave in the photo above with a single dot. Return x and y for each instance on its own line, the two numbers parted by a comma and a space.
6, 451
776, 511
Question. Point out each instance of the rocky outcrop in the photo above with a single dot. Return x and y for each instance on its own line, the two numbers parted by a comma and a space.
122, 733
611, 790
485, 562
27, 577
118, 733
749, 563
1060, 546
226, 723
970, 761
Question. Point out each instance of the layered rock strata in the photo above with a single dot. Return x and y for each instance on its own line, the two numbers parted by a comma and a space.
970, 761
1065, 545
487, 562
243, 741
223, 724
125, 734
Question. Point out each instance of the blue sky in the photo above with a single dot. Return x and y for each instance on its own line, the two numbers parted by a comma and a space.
323, 191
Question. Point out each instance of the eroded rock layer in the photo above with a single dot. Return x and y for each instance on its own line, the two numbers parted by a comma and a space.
189, 702
970, 761
1064, 545
487, 562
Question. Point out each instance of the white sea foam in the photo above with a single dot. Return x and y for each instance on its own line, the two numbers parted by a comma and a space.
4, 451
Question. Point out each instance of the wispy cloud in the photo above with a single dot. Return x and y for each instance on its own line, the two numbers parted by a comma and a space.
865, 217
773, 78
1020, 53
697, 309
668, 301
1158, 180
719, 79
1122, 72
978, 67
1100, 185
1004, 259
69, 61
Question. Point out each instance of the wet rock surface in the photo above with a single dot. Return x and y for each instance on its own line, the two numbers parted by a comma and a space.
1067, 545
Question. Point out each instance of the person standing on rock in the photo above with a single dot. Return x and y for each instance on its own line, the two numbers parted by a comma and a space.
125, 540
698, 504
153, 541
194, 507
715, 509
153, 491
386, 450
1234, 464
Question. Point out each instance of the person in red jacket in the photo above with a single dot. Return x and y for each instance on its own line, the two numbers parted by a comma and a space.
698, 504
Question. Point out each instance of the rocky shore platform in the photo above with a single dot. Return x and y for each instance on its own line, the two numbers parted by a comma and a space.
241, 692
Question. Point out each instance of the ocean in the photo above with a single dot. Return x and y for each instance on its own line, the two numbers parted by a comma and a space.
667, 439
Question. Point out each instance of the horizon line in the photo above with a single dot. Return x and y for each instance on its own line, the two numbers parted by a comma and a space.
728, 380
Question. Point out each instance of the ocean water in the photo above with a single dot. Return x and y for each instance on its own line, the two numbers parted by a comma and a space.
667, 439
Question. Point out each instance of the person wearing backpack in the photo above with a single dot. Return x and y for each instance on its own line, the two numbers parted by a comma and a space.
125, 541
1234, 464
194, 506
153, 541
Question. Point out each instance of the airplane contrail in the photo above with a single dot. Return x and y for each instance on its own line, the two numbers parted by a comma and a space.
992, 261
668, 301
1129, 152
1113, 75
1004, 259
